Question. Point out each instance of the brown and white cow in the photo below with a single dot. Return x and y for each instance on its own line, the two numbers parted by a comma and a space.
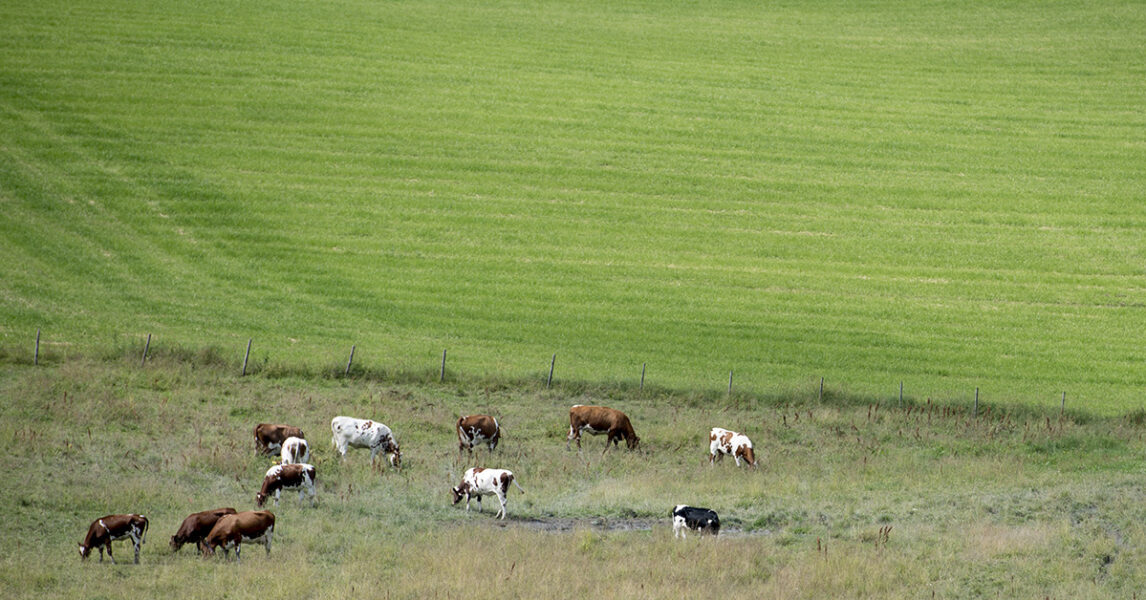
478, 482
723, 441
269, 437
286, 477
196, 527
295, 451
597, 420
477, 429
232, 531
105, 530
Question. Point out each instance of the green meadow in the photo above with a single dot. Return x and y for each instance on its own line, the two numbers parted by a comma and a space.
944, 195
947, 196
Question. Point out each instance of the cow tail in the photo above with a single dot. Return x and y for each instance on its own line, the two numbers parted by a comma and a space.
143, 534
514, 480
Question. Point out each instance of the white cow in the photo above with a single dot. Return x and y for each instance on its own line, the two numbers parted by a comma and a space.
478, 482
348, 432
295, 450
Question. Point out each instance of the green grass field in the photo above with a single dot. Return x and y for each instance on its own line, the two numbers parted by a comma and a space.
850, 501
947, 195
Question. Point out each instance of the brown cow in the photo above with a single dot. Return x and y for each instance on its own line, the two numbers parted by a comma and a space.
477, 429
597, 420
105, 530
196, 527
240, 528
286, 477
269, 438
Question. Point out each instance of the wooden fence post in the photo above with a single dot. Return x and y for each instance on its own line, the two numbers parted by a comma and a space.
552, 363
442, 377
820, 398
643, 365
730, 383
247, 356
146, 347
901, 394
36, 356
976, 413
351, 360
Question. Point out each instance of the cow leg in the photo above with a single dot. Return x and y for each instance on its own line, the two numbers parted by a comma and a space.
137, 542
238, 549
479, 503
502, 497
270, 533
109, 555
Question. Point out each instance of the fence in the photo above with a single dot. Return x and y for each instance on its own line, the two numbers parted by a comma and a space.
548, 380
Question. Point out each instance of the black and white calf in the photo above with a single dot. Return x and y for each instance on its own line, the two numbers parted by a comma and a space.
701, 520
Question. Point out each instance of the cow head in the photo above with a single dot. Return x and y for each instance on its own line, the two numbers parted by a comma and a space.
84, 551
176, 543
632, 441
749, 455
260, 499
459, 492
395, 453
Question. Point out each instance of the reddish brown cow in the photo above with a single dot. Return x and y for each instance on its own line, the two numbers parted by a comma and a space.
477, 429
240, 528
196, 527
269, 438
597, 420
105, 530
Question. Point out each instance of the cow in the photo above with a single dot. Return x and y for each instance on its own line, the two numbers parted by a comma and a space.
478, 482
597, 420
723, 441
196, 527
348, 432
286, 477
295, 450
269, 438
477, 429
701, 520
240, 528
105, 530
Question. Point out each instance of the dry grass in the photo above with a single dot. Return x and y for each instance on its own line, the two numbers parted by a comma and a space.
851, 501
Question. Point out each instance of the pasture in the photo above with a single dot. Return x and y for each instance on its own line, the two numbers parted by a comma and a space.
852, 500
947, 195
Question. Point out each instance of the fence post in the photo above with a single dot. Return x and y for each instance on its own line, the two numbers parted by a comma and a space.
730, 383
1062, 408
442, 377
36, 356
976, 413
351, 360
146, 347
643, 365
901, 394
552, 363
820, 398
247, 356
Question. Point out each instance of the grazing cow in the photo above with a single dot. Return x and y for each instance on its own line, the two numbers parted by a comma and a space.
702, 520
597, 420
247, 527
103, 531
723, 441
477, 429
196, 527
286, 477
295, 451
269, 438
348, 432
478, 482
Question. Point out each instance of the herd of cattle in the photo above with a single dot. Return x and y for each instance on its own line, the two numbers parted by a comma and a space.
229, 529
